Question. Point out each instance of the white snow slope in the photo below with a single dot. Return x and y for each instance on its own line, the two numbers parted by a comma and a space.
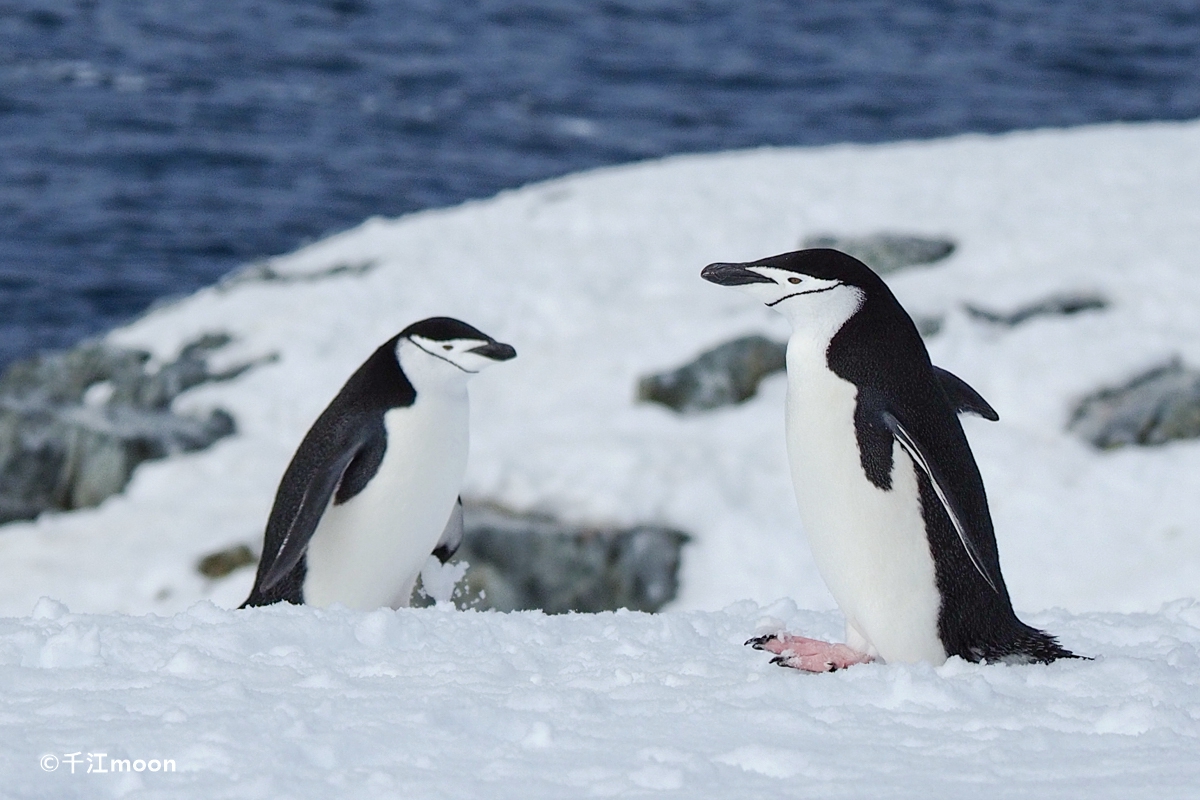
594, 278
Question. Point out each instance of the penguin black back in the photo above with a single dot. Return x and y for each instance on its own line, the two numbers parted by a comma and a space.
354, 418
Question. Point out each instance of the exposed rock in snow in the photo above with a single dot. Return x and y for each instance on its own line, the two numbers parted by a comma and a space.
74, 425
529, 561
225, 561
723, 376
1154, 408
1061, 305
887, 252
927, 325
266, 271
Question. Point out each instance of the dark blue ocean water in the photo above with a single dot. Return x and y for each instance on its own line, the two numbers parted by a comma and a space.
148, 146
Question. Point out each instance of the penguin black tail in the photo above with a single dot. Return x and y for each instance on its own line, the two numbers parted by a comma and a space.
1028, 645
289, 590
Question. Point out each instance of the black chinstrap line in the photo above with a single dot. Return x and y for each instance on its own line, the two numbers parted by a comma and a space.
797, 294
443, 358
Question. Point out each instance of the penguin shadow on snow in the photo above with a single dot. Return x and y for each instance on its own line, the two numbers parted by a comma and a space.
887, 487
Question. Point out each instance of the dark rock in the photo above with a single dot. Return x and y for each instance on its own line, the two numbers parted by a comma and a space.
264, 271
1153, 408
886, 252
223, 562
725, 375
74, 425
1055, 305
522, 561
928, 326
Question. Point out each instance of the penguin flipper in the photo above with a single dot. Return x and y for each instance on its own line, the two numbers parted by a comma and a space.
300, 522
452, 536
942, 489
964, 398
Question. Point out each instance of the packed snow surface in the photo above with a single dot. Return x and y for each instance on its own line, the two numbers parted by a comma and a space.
303, 703
594, 279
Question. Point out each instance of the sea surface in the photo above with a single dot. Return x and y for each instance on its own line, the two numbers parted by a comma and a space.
149, 146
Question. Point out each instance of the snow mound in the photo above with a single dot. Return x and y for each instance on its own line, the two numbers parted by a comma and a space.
429, 703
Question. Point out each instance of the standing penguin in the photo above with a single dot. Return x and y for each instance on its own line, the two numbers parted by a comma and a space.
888, 490
373, 488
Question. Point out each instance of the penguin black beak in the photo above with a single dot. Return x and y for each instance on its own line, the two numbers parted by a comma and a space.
731, 275
496, 351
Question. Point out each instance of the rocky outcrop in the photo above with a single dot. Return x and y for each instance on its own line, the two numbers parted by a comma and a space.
928, 327
264, 271
886, 252
1156, 407
223, 562
523, 561
726, 375
74, 425
1059, 305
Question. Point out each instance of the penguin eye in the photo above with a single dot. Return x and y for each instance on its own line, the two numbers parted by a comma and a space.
793, 280
447, 347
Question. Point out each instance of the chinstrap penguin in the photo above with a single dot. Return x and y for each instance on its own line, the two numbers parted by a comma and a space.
373, 488
889, 493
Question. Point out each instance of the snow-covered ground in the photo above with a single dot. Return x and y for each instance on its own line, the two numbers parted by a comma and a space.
301, 703
594, 278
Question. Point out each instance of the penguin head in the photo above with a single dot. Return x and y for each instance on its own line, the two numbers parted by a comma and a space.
817, 288
441, 349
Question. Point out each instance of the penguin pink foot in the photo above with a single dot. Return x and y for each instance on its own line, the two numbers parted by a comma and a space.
809, 655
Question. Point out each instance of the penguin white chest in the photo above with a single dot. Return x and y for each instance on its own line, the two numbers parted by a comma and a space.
367, 552
869, 543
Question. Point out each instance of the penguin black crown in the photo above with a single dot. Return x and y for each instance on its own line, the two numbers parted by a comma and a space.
372, 490
888, 490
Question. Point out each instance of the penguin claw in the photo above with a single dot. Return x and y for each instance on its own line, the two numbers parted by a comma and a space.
760, 642
803, 665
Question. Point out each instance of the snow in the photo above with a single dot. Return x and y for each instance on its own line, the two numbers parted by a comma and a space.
594, 279
304, 703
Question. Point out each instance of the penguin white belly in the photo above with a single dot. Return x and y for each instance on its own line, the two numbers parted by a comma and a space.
367, 552
869, 544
